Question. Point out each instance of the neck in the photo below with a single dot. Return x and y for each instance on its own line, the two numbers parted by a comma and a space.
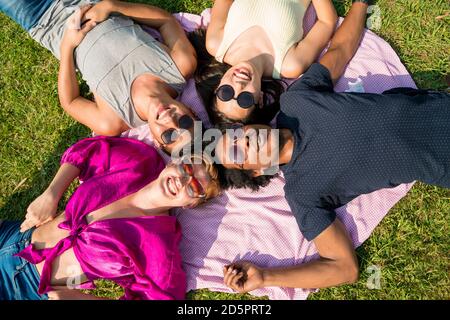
287, 142
259, 63
149, 200
148, 91
262, 60
154, 99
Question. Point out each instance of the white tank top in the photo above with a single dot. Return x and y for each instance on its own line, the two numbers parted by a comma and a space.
282, 20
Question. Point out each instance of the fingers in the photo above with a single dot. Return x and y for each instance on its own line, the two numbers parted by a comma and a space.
84, 9
233, 277
88, 27
30, 221
74, 22
27, 224
44, 222
84, 14
86, 17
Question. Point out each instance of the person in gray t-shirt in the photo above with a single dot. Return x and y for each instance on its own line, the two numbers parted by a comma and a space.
134, 78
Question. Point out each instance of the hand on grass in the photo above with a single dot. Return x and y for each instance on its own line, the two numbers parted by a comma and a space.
40, 211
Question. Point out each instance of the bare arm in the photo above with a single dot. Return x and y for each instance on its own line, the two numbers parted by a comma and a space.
214, 34
62, 180
337, 265
81, 109
345, 41
308, 50
44, 207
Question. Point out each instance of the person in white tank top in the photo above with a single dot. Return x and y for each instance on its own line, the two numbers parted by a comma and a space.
261, 39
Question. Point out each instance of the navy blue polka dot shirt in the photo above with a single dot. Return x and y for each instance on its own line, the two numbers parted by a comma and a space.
348, 144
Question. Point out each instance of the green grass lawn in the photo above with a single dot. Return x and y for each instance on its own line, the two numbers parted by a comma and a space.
411, 245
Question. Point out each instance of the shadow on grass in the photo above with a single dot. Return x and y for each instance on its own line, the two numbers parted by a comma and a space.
431, 80
16, 205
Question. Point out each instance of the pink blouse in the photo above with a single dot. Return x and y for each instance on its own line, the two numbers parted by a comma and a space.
140, 254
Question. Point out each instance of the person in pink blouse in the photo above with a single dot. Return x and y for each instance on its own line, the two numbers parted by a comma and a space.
116, 225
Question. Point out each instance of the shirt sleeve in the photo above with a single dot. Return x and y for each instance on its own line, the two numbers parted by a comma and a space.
316, 78
89, 155
311, 218
100, 155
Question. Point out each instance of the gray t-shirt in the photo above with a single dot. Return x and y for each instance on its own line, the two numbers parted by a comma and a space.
111, 56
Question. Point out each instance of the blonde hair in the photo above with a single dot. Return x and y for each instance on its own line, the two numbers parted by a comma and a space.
213, 189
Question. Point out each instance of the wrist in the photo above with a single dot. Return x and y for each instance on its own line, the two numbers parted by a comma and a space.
110, 6
268, 277
67, 48
52, 193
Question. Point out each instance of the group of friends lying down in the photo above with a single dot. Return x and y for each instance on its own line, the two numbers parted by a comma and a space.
330, 147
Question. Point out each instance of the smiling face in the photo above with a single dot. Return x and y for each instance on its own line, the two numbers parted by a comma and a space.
253, 147
241, 77
184, 187
171, 123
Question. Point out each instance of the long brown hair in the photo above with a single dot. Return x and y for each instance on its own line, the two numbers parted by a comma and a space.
208, 75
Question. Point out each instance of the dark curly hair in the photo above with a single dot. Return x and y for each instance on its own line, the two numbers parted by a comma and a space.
207, 78
237, 178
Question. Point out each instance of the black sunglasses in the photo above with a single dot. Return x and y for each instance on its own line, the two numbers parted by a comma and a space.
171, 135
226, 93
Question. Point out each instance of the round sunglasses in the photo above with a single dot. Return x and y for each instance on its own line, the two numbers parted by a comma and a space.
194, 188
171, 135
226, 93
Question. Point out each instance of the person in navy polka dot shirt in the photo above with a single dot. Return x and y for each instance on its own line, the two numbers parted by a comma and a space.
334, 147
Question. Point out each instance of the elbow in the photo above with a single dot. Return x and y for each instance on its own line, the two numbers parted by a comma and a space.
188, 65
186, 62
330, 23
353, 276
213, 39
106, 128
211, 45
329, 18
65, 103
63, 97
350, 272
169, 22
333, 19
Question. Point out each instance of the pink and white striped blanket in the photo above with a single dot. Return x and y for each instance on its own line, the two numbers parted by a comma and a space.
260, 227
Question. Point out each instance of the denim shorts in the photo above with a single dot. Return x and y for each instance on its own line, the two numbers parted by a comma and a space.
19, 279
25, 12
